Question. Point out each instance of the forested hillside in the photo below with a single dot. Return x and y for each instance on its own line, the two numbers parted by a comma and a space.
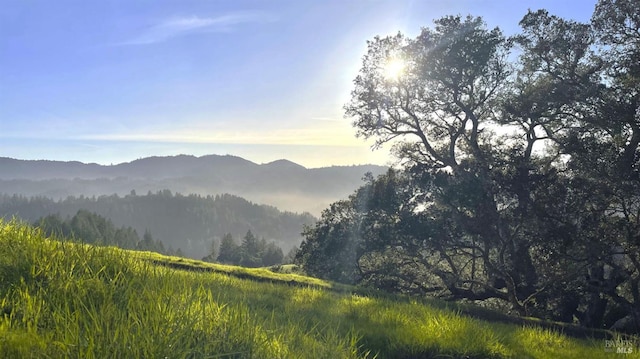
190, 223
91, 228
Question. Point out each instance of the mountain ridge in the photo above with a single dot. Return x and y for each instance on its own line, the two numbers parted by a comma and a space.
14, 168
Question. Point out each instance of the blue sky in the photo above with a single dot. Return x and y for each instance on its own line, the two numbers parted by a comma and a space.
113, 81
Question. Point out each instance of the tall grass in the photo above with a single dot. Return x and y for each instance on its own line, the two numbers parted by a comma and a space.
68, 300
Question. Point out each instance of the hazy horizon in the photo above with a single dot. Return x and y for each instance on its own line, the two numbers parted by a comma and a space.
111, 164
114, 81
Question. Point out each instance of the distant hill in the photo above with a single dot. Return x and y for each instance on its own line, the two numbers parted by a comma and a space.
282, 183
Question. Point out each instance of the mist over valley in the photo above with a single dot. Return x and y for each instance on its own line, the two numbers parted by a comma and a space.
283, 184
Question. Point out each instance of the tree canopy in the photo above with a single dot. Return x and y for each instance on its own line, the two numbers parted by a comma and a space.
252, 252
518, 161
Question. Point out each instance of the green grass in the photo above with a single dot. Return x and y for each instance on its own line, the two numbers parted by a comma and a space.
65, 300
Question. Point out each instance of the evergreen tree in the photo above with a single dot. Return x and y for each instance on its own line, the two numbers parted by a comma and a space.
126, 238
251, 251
211, 257
147, 243
229, 251
53, 225
272, 255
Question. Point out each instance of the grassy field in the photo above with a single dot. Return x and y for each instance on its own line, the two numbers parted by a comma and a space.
66, 300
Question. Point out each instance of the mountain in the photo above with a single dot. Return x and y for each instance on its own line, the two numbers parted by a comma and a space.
282, 183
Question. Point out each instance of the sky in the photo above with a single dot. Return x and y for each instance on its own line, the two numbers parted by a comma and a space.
113, 81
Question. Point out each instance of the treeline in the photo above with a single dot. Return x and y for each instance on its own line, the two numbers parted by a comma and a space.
251, 252
189, 222
92, 228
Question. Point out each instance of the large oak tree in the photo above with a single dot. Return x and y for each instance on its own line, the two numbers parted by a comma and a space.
518, 167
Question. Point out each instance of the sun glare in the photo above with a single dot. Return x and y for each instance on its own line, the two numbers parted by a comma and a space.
394, 68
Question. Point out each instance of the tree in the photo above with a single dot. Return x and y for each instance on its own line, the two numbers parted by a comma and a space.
53, 225
592, 116
229, 251
91, 228
126, 238
149, 244
366, 239
617, 121
444, 99
519, 180
272, 255
330, 246
251, 251
211, 257
441, 112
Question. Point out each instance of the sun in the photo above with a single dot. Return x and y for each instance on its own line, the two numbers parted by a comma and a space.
394, 68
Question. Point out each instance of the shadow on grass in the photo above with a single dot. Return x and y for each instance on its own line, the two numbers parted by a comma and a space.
468, 310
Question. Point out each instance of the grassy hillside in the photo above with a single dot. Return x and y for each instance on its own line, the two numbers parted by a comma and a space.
60, 299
